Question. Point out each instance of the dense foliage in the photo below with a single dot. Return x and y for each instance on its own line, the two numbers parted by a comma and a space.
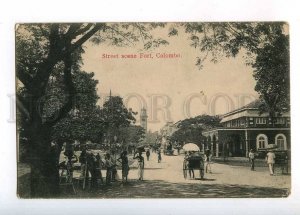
190, 130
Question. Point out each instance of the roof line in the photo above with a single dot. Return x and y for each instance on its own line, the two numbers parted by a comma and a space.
238, 110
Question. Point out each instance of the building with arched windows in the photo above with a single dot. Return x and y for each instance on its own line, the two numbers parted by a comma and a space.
246, 128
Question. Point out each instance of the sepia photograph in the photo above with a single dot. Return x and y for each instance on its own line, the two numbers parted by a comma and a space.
131, 110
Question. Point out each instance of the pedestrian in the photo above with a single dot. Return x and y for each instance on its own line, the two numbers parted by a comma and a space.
159, 155
114, 166
208, 161
92, 169
270, 158
251, 159
148, 154
108, 165
54, 160
70, 166
83, 166
141, 166
125, 166
99, 164
202, 164
189, 165
178, 150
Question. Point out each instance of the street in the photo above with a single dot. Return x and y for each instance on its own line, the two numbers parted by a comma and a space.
165, 180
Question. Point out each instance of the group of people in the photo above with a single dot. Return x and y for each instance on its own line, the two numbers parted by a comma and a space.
270, 159
110, 163
93, 165
158, 151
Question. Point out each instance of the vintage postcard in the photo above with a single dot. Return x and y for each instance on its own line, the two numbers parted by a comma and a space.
153, 110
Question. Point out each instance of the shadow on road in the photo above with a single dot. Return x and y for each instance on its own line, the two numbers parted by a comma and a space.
163, 189
205, 179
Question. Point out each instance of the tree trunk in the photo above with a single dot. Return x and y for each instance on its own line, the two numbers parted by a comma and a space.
44, 164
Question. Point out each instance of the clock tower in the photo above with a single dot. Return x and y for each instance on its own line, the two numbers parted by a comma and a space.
143, 118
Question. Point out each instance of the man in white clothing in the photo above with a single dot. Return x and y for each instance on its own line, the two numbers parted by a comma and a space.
270, 158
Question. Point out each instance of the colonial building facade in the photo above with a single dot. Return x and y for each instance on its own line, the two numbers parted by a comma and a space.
244, 129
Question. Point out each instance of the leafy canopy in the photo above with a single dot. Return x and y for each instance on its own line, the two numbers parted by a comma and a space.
190, 130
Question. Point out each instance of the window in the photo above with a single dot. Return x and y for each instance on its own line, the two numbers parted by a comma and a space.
280, 121
242, 121
261, 120
280, 141
261, 141
234, 123
250, 121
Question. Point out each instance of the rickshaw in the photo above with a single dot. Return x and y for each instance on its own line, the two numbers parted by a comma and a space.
194, 160
168, 150
282, 158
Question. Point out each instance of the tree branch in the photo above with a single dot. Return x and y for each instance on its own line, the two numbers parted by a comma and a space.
118, 32
25, 78
87, 36
234, 30
84, 29
72, 29
75, 30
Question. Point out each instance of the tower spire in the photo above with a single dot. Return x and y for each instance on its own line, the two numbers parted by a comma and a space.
143, 118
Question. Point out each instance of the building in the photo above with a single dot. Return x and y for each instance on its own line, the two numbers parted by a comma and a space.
166, 131
143, 118
245, 128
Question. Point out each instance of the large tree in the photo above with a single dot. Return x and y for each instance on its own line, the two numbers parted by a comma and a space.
271, 72
85, 121
116, 116
190, 130
82, 122
131, 135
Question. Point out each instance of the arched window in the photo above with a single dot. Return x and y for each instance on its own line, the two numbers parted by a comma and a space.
261, 141
280, 141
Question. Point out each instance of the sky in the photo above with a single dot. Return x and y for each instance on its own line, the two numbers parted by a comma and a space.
171, 89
